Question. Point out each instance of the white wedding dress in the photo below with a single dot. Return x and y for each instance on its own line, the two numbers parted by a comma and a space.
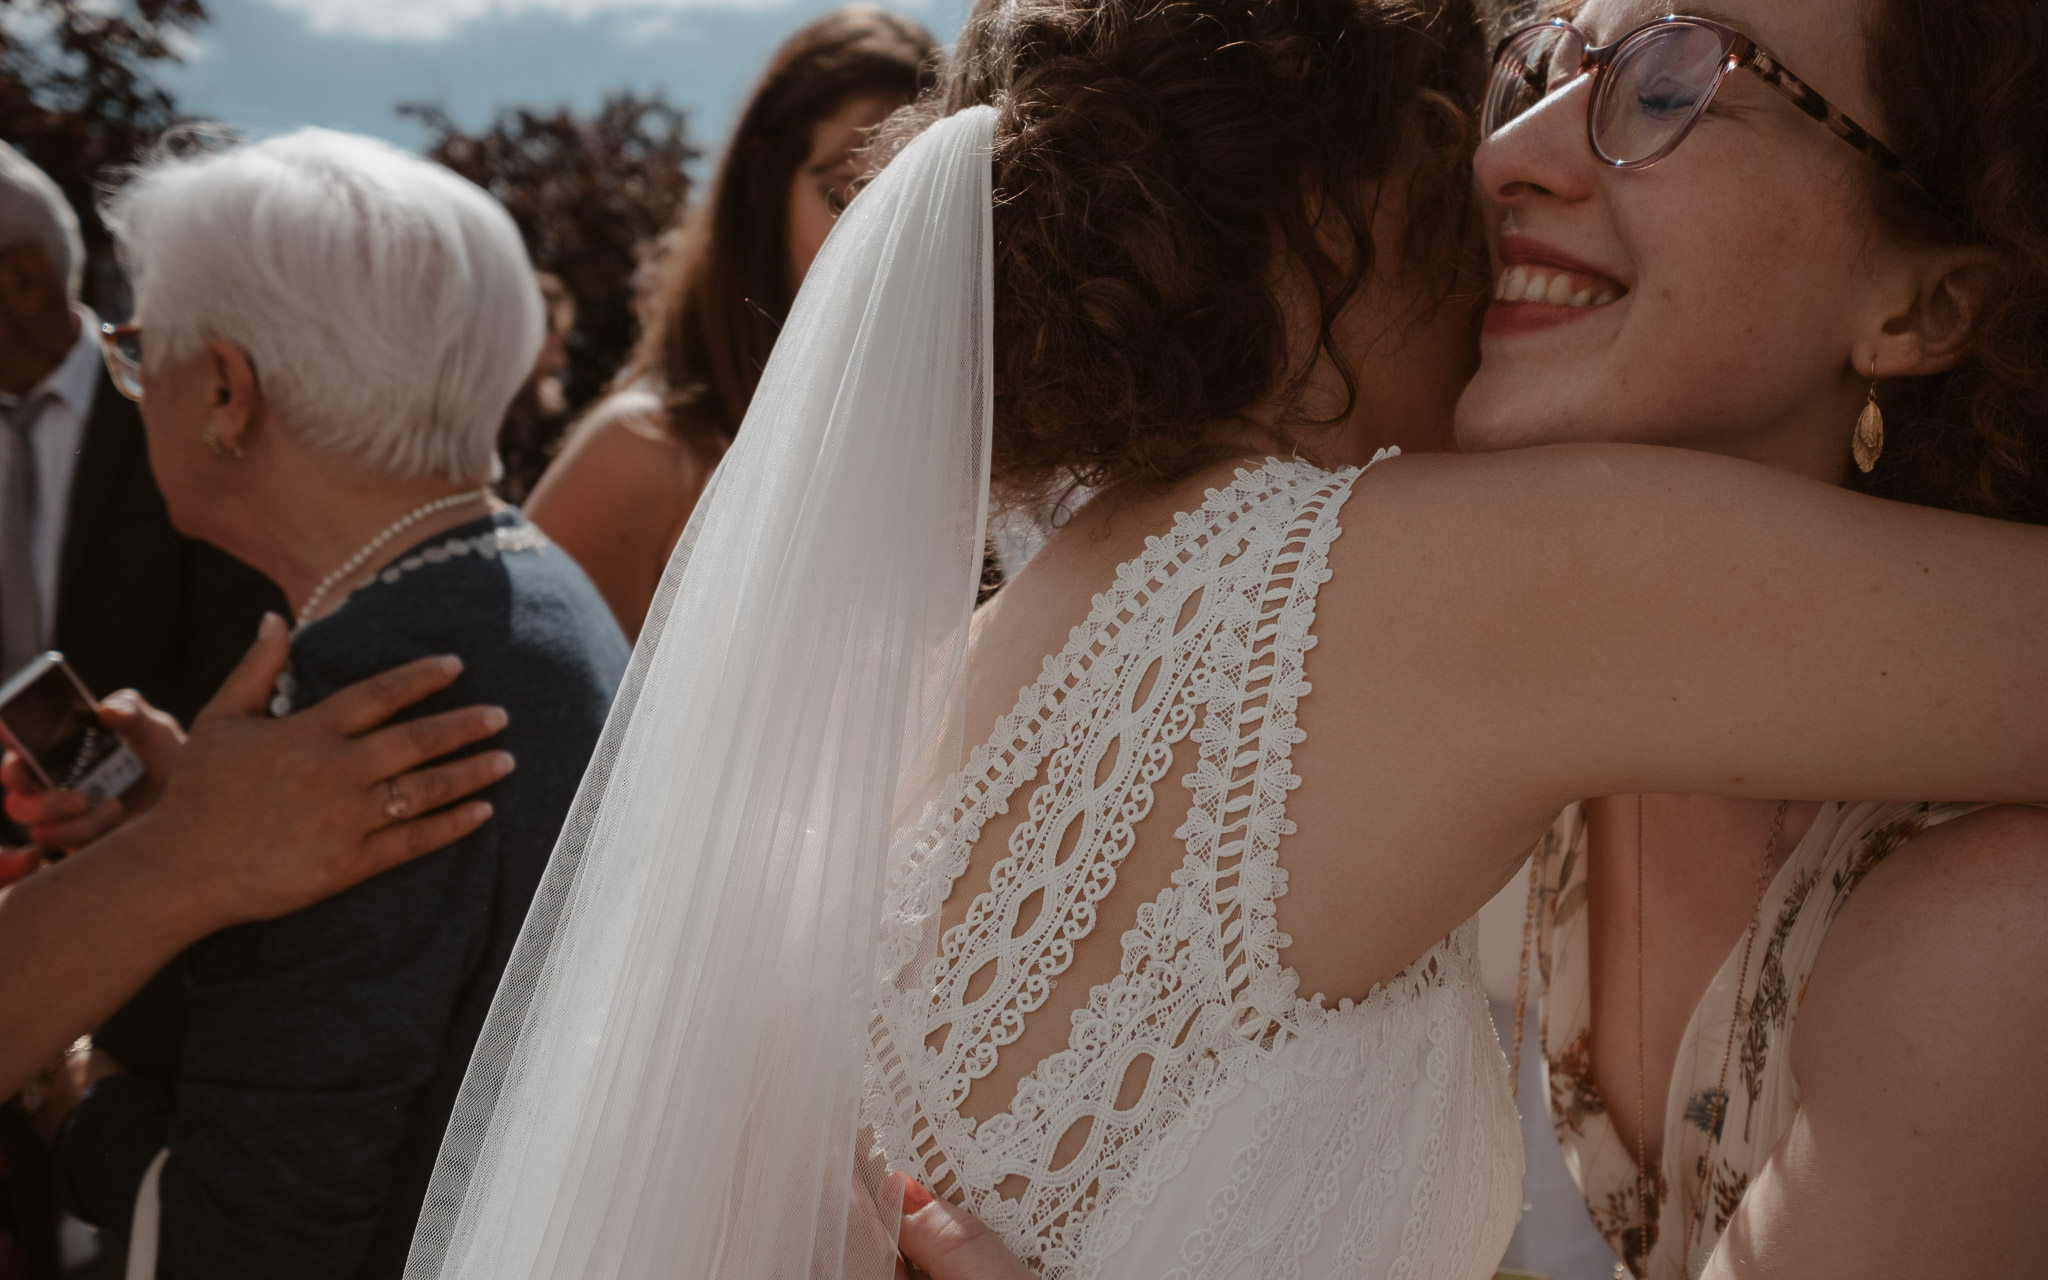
727, 992
1272, 1137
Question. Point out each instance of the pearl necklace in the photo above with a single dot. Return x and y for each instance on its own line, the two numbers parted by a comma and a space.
392, 530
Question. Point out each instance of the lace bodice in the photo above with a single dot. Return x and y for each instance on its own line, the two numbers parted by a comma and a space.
1271, 1136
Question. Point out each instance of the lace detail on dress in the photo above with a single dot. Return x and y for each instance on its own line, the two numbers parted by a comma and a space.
1204, 634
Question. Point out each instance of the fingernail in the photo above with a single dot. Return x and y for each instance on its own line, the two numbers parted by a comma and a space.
496, 718
502, 763
915, 1194
450, 664
270, 626
484, 809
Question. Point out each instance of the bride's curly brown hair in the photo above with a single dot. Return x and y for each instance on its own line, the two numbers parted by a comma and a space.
1154, 159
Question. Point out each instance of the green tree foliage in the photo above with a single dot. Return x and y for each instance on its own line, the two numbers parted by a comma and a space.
77, 97
589, 193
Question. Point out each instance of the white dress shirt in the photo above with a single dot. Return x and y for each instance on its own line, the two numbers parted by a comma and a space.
56, 438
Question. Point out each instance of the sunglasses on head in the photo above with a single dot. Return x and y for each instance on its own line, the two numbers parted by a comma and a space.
1651, 86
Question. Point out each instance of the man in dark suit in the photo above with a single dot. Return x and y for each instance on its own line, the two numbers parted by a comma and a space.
135, 604
89, 562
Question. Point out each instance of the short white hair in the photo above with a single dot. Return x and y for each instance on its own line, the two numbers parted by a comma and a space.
34, 212
387, 304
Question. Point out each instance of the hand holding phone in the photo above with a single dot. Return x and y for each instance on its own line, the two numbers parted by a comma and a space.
66, 819
50, 720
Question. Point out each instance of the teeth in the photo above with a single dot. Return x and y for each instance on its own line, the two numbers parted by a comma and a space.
1522, 284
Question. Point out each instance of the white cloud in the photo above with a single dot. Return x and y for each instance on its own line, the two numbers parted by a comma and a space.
428, 21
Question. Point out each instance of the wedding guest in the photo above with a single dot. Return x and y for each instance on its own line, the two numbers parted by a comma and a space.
249, 818
89, 563
630, 473
329, 333
1786, 1031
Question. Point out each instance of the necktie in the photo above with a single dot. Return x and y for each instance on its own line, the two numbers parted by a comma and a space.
21, 610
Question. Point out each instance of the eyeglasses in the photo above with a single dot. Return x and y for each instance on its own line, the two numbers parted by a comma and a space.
1651, 86
121, 345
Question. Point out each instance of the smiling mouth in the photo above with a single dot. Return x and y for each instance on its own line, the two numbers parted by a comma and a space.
1528, 283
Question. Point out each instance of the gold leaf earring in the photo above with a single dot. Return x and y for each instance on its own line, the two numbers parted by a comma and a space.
221, 449
1868, 442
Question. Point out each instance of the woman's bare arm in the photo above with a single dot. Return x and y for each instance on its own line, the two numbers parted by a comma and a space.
1504, 634
1608, 619
259, 818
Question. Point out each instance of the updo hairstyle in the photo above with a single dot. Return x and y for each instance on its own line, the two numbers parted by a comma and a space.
1153, 159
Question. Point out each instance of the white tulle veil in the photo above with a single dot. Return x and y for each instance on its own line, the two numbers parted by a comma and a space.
668, 1082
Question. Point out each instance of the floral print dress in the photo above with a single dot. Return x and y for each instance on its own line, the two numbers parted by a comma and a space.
1809, 891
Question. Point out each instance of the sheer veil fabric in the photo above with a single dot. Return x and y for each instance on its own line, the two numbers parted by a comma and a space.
668, 1083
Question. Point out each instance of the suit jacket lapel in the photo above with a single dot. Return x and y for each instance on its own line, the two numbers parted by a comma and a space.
113, 439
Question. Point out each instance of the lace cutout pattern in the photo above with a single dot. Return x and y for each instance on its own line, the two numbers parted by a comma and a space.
1202, 635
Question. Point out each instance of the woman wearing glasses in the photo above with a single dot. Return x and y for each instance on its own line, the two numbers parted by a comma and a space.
1176, 976
1806, 1029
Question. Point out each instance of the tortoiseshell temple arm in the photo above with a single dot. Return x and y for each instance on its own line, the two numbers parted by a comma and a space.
1807, 99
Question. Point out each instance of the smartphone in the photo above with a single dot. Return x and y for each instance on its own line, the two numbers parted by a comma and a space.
53, 724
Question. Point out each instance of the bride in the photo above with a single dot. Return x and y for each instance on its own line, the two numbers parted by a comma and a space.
1173, 975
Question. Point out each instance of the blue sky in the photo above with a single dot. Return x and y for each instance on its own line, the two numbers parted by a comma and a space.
268, 65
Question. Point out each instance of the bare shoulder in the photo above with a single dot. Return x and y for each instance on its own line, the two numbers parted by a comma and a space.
1959, 910
625, 440
618, 496
1922, 1131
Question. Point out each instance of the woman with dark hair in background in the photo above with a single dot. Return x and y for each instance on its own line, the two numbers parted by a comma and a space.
627, 478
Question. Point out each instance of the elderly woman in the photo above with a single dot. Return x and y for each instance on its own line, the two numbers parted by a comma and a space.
329, 331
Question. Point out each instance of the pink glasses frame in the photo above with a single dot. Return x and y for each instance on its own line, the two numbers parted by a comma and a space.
1738, 52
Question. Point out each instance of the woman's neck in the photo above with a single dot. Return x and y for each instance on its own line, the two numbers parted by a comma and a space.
299, 534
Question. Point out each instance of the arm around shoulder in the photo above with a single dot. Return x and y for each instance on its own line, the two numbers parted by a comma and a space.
1587, 620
